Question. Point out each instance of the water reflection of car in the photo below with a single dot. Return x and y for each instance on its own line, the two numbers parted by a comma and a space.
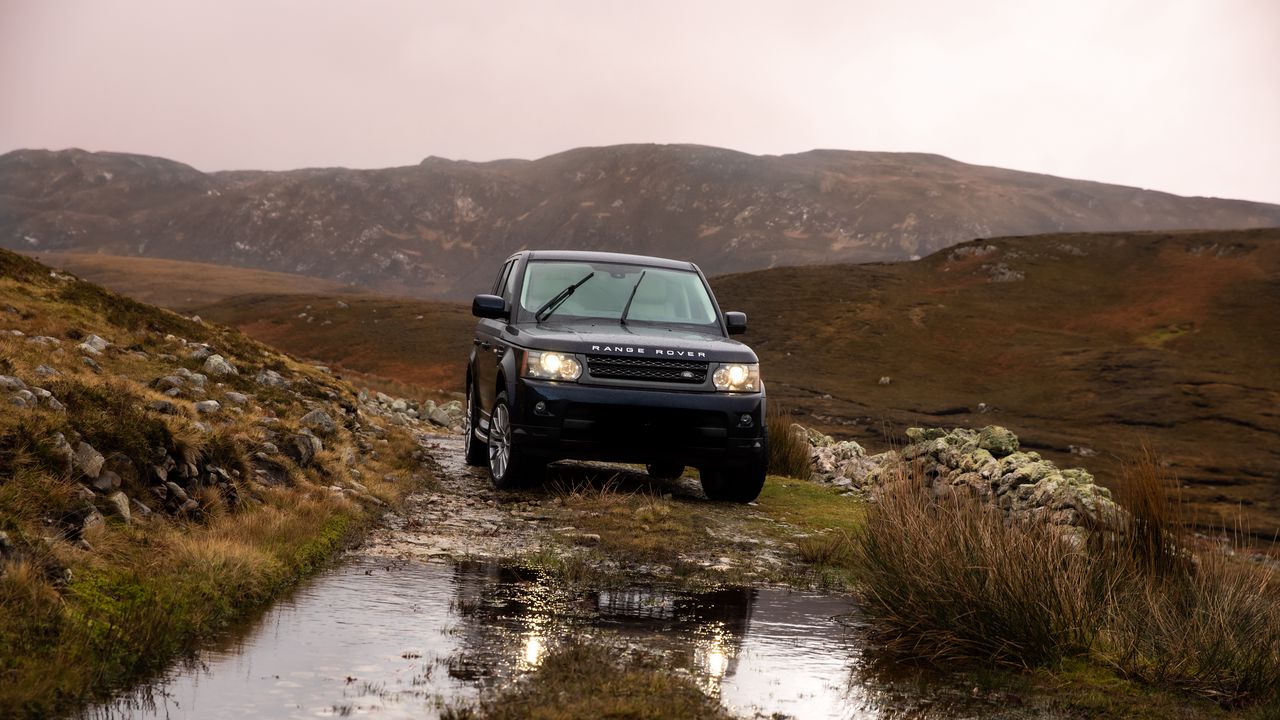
621, 358
511, 617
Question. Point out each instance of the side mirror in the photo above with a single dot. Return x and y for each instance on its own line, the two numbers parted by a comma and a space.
735, 322
489, 306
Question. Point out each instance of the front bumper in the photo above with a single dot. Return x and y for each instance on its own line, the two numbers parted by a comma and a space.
559, 421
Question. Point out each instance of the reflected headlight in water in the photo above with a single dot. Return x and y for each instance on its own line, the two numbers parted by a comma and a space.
736, 377
717, 663
533, 651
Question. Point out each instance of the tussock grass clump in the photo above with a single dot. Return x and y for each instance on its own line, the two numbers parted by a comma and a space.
789, 452
831, 549
953, 579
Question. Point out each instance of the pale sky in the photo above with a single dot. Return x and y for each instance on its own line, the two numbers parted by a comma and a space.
1175, 95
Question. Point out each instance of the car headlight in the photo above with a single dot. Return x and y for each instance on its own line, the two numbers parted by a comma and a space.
551, 366
737, 377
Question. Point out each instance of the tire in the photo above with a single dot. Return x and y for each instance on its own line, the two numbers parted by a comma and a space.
506, 466
740, 484
664, 470
474, 451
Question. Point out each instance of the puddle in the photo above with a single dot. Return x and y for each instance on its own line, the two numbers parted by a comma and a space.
401, 640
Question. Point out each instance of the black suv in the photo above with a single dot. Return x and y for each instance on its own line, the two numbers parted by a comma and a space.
621, 358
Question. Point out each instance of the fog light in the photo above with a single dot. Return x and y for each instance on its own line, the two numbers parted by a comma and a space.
541, 408
745, 421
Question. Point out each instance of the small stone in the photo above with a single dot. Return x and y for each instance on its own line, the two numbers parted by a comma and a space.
106, 482
23, 399
138, 509
885, 380
439, 417
9, 382
94, 345
117, 504
91, 363
270, 378
320, 422
303, 447
218, 365
201, 352
208, 406
164, 407
169, 382
237, 398
176, 492
87, 460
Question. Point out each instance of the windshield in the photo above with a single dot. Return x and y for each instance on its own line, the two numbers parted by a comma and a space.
665, 296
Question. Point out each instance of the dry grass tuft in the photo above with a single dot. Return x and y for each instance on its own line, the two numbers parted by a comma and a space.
789, 452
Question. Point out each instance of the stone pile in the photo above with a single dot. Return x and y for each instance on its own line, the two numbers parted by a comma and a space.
402, 411
28, 396
986, 463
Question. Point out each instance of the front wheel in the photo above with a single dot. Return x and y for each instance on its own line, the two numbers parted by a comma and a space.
475, 451
507, 467
736, 483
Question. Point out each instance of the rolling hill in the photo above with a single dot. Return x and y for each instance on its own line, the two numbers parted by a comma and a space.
439, 228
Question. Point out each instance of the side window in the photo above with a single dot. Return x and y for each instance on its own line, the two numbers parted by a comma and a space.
500, 284
508, 291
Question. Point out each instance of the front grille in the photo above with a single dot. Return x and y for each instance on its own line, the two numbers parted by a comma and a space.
652, 369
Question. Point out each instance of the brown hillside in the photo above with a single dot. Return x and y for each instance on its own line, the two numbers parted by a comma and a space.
1097, 342
439, 228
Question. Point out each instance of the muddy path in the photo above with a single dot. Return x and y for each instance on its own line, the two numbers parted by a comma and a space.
466, 590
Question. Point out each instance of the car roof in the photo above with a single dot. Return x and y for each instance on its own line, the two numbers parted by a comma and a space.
607, 257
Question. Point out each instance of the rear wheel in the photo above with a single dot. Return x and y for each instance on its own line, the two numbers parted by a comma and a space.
507, 467
664, 470
475, 451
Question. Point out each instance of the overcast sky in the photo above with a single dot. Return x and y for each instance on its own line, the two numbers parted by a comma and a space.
1176, 95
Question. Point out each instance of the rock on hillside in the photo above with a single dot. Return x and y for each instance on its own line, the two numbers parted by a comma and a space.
440, 228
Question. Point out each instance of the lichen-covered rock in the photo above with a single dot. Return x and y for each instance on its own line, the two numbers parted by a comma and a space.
219, 366
987, 464
997, 440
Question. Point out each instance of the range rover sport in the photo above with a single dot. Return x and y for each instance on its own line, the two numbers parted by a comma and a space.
619, 358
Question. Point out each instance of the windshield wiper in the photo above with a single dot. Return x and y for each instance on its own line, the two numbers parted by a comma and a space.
627, 308
545, 311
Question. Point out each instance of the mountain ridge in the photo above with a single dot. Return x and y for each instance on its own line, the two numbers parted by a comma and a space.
439, 228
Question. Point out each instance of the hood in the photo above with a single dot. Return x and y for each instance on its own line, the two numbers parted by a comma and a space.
632, 341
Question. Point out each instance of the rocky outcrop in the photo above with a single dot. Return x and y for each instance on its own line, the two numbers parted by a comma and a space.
986, 464
402, 411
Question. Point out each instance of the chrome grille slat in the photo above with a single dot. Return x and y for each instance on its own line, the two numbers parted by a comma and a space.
688, 372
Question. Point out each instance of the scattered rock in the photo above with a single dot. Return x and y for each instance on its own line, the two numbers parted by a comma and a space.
208, 406
91, 363
9, 382
106, 482
87, 460
201, 352
44, 340
138, 509
24, 399
320, 422
94, 345
236, 398
302, 448
117, 504
270, 378
164, 407
218, 365
885, 380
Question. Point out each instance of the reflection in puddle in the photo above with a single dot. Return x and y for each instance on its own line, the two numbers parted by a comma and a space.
407, 640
